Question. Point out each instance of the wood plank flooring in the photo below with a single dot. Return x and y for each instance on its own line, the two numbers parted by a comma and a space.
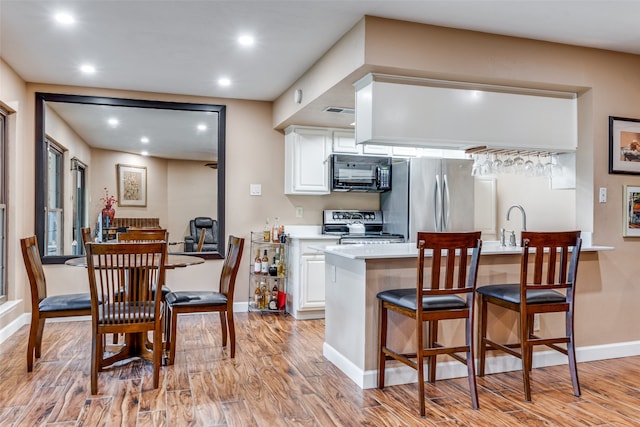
280, 378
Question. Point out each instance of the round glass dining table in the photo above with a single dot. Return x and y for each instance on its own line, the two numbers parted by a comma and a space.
173, 261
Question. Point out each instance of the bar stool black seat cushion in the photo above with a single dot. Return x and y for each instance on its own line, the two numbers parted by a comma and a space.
406, 298
195, 298
65, 302
511, 293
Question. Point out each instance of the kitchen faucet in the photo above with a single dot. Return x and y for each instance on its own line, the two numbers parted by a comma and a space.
512, 241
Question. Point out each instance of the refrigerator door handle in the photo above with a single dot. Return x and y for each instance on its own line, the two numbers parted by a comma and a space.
437, 217
445, 204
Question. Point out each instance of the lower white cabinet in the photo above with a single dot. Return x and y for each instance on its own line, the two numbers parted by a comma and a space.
306, 278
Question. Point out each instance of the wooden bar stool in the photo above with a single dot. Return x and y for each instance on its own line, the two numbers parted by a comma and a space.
546, 288
448, 294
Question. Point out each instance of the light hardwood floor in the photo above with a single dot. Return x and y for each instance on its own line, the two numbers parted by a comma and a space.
280, 378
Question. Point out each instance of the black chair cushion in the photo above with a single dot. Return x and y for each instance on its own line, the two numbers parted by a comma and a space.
195, 298
125, 312
406, 298
511, 293
66, 302
165, 290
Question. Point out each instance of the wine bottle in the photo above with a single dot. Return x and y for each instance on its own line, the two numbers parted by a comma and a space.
257, 263
267, 231
275, 231
257, 297
265, 295
273, 298
264, 263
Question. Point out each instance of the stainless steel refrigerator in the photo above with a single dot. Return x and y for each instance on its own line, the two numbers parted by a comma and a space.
429, 194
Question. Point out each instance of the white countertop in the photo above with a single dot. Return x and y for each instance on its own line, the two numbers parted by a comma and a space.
409, 250
310, 232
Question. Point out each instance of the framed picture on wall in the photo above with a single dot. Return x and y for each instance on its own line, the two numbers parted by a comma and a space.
132, 185
624, 145
631, 209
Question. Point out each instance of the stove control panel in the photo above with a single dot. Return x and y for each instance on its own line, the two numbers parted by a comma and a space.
352, 216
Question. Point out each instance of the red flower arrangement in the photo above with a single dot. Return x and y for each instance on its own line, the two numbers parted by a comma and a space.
108, 200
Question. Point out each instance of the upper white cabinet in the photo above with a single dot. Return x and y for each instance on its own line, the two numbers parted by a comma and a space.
344, 141
306, 165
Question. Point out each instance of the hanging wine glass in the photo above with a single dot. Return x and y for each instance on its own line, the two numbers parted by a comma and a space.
518, 164
475, 169
529, 167
507, 164
497, 164
487, 166
539, 167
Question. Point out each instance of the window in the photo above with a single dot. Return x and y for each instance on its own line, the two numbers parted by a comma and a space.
79, 170
3, 206
54, 207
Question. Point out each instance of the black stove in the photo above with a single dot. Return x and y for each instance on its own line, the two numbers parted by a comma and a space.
358, 227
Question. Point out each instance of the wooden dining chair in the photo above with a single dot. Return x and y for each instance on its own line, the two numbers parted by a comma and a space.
446, 293
86, 235
546, 286
143, 235
140, 235
136, 268
46, 307
210, 301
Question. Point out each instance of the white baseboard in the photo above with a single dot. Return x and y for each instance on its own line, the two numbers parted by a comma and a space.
396, 374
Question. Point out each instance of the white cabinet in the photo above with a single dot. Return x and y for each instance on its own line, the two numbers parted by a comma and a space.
306, 299
344, 141
311, 282
306, 165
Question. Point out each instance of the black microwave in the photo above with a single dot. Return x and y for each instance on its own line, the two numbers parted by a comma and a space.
351, 172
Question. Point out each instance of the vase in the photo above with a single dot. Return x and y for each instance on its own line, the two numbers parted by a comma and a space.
107, 215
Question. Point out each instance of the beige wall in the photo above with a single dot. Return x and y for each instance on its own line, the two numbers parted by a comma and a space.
191, 192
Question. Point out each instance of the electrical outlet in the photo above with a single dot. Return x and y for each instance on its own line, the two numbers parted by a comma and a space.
536, 323
299, 212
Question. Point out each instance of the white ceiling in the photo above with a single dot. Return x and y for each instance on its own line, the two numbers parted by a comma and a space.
184, 46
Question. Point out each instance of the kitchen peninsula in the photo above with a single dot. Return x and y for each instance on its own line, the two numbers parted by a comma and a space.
354, 274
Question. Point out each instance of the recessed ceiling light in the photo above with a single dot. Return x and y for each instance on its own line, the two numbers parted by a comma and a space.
113, 122
245, 40
64, 18
202, 127
144, 153
144, 140
224, 81
88, 69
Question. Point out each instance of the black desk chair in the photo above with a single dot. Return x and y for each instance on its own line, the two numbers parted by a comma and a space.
210, 242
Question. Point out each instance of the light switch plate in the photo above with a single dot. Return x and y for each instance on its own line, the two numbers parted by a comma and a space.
255, 190
299, 212
603, 195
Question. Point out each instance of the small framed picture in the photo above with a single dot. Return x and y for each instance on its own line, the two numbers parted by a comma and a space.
631, 209
624, 145
132, 185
